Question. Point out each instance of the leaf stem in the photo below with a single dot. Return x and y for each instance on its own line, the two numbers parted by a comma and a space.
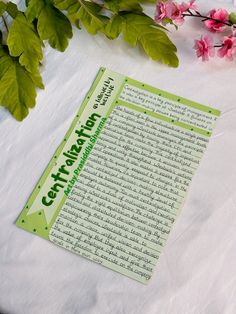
5, 23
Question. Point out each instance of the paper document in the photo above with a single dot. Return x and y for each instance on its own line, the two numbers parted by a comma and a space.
116, 184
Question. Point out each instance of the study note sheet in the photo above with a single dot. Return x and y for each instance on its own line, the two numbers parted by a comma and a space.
118, 180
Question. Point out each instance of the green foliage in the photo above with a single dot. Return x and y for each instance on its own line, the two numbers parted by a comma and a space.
12, 9
232, 18
114, 26
127, 19
20, 35
85, 12
17, 85
52, 24
123, 5
21, 50
141, 29
3, 8
20, 57
149, 1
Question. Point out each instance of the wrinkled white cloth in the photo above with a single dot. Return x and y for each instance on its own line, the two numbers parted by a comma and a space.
196, 273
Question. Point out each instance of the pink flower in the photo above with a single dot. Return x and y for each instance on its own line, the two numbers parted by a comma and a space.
177, 14
228, 48
188, 6
163, 11
169, 10
204, 48
173, 11
221, 15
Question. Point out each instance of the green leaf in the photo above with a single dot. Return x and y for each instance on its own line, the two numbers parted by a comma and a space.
137, 28
33, 10
3, 7
17, 85
123, 5
52, 25
141, 29
86, 12
149, 1
113, 28
37, 79
12, 9
65, 4
232, 18
23, 42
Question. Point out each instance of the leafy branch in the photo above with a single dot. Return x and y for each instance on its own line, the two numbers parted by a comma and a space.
21, 49
19, 63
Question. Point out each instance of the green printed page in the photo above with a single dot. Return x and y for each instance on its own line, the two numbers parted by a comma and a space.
117, 182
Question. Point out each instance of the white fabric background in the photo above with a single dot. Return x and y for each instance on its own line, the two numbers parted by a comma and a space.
197, 270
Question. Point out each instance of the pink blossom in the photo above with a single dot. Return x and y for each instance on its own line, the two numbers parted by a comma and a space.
169, 10
228, 48
173, 11
204, 48
191, 5
177, 14
219, 15
163, 11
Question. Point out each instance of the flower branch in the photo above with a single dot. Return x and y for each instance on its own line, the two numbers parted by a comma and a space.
207, 18
215, 21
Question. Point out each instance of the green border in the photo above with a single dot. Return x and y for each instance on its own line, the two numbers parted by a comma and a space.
163, 118
173, 97
40, 220
107, 115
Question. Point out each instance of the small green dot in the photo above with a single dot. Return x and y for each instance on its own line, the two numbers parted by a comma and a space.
159, 94
46, 228
117, 102
102, 70
27, 206
208, 132
40, 213
145, 111
34, 230
64, 139
39, 187
209, 111
191, 129
143, 85
178, 99
22, 221
173, 121
88, 97
126, 80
